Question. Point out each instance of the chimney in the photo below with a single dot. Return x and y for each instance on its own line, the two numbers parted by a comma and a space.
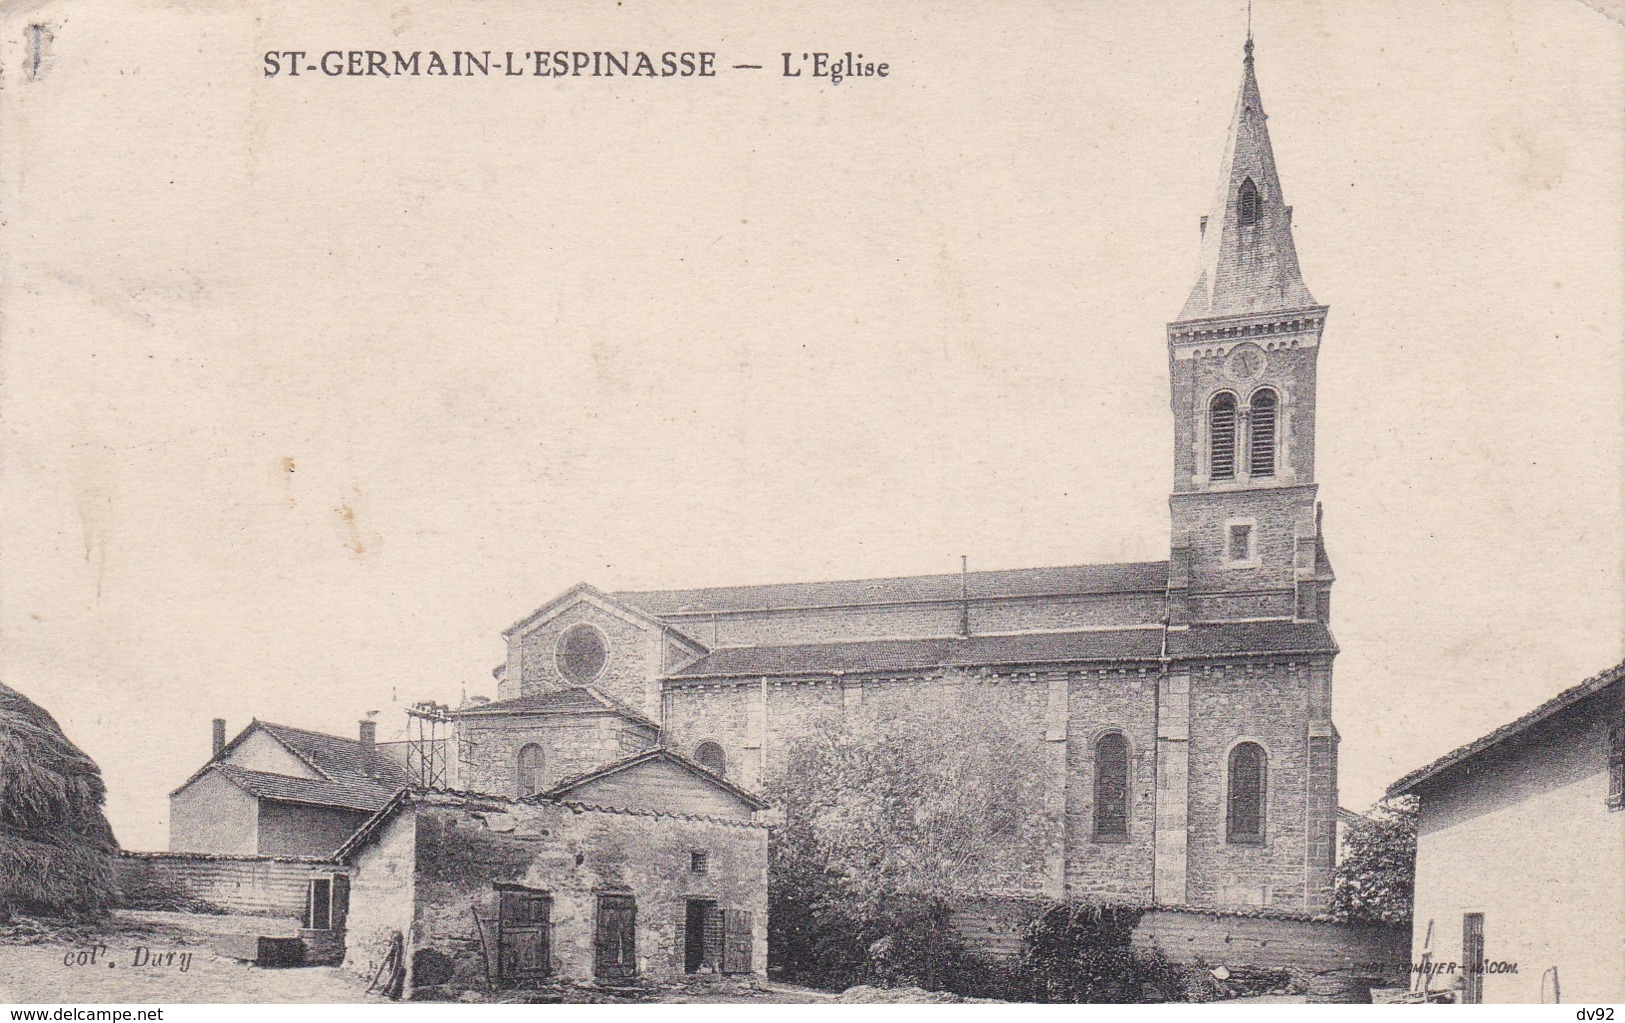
1203, 229
369, 741
219, 737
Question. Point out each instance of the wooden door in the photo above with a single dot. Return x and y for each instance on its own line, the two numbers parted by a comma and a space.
1472, 959
616, 956
524, 945
739, 942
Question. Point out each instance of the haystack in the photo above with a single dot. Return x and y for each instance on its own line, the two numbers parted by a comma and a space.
56, 849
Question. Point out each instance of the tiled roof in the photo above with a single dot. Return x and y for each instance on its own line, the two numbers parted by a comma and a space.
577, 699
1069, 580
352, 793
1567, 698
335, 757
884, 655
1232, 638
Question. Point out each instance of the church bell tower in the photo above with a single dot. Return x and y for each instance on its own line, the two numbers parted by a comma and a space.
1246, 524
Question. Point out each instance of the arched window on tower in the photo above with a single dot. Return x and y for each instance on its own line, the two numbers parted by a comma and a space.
1261, 420
1222, 437
1248, 205
709, 755
1244, 817
529, 770
1111, 786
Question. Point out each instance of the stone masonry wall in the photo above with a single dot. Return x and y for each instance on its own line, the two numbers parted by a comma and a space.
1267, 704
571, 744
573, 856
1100, 702
634, 653
1230, 702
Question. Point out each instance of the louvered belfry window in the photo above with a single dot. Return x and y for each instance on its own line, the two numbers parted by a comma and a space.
1222, 437
1111, 785
1248, 205
1245, 814
1261, 460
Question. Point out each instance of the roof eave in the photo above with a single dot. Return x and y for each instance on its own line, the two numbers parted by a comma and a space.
1408, 784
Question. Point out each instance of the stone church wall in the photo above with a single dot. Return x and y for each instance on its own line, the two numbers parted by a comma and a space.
1268, 704
1099, 702
572, 745
1204, 517
633, 657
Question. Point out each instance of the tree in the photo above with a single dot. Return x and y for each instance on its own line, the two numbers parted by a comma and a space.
925, 796
1376, 877
934, 795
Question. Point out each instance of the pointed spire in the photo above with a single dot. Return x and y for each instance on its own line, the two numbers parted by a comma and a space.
1249, 264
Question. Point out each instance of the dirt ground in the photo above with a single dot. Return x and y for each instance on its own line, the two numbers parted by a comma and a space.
51, 963
147, 958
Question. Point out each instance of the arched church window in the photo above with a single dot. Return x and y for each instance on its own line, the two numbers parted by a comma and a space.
1248, 205
709, 755
1248, 780
581, 653
1222, 437
1261, 453
529, 769
1111, 785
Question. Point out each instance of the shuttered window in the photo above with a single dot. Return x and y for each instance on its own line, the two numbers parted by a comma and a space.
1262, 460
1222, 437
1245, 814
1111, 786
1616, 767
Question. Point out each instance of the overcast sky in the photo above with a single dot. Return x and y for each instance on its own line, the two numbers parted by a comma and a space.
312, 386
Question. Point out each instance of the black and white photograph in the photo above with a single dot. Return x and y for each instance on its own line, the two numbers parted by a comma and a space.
817, 503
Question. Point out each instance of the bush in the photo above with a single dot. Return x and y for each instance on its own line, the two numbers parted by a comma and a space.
1377, 874
1082, 952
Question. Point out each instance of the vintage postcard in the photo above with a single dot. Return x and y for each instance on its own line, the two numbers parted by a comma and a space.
611, 501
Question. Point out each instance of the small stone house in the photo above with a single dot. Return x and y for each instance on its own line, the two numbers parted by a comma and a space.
281, 791
1520, 854
646, 870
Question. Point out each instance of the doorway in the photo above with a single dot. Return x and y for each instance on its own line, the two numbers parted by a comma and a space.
702, 936
616, 954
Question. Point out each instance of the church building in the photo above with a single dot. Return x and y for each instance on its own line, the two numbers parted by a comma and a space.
1182, 708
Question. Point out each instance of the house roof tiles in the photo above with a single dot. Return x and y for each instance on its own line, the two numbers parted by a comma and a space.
1567, 698
574, 700
367, 794
1065, 580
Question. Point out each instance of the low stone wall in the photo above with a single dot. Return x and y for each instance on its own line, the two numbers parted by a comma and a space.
206, 883
1301, 945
